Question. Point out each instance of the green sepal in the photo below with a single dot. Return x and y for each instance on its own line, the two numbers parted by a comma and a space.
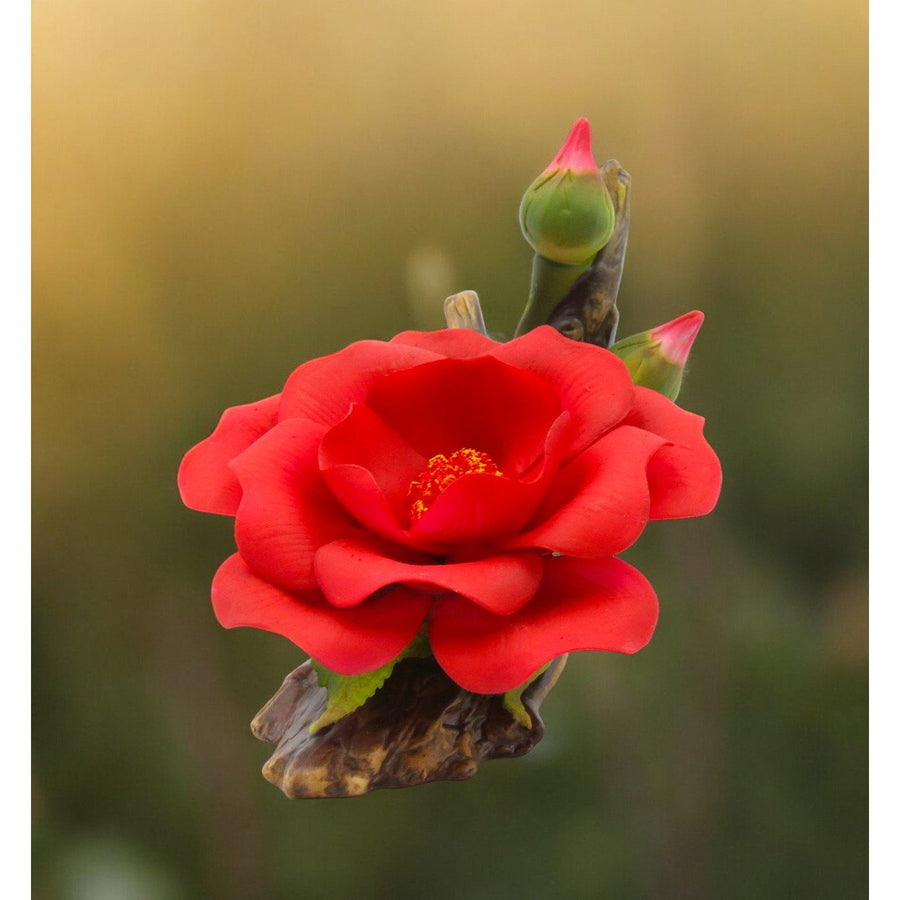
647, 365
567, 217
347, 693
512, 700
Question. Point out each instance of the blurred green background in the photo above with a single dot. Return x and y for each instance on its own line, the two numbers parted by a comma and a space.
225, 189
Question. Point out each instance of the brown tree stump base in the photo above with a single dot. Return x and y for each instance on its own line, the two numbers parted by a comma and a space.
419, 727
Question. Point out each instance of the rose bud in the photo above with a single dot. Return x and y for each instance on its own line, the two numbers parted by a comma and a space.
656, 358
567, 214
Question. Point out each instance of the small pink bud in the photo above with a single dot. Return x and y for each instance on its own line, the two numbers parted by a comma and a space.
677, 337
567, 214
575, 154
656, 358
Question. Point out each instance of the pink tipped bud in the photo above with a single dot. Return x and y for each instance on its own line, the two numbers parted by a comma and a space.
575, 154
677, 337
656, 358
567, 214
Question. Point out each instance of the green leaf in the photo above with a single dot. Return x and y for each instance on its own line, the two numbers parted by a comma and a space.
348, 692
512, 700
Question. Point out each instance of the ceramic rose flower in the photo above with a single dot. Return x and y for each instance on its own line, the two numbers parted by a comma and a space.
446, 484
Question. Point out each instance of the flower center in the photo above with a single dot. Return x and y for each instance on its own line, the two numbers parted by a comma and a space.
441, 472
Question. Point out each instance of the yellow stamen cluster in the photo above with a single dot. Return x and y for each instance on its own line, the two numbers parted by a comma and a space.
442, 471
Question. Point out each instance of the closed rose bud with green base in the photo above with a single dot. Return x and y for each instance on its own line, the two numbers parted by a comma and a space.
656, 358
567, 216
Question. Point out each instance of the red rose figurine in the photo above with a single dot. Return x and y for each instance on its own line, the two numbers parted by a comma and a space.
481, 490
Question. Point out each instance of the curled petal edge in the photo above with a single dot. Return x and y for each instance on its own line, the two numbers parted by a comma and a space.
347, 641
205, 481
581, 605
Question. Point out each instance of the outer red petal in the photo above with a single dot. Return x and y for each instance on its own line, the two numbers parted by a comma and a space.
349, 571
599, 503
481, 403
455, 343
592, 383
349, 641
685, 478
204, 479
287, 511
323, 389
581, 605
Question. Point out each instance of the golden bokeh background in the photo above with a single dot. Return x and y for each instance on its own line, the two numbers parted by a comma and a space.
225, 189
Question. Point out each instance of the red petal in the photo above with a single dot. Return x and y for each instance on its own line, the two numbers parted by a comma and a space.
685, 478
204, 479
592, 383
287, 511
349, 571
474, 509
455, 343
323, 389
481, 403
364, 439
575, 153
581, 605
356, 489
599, 503
349, 641
478, 509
